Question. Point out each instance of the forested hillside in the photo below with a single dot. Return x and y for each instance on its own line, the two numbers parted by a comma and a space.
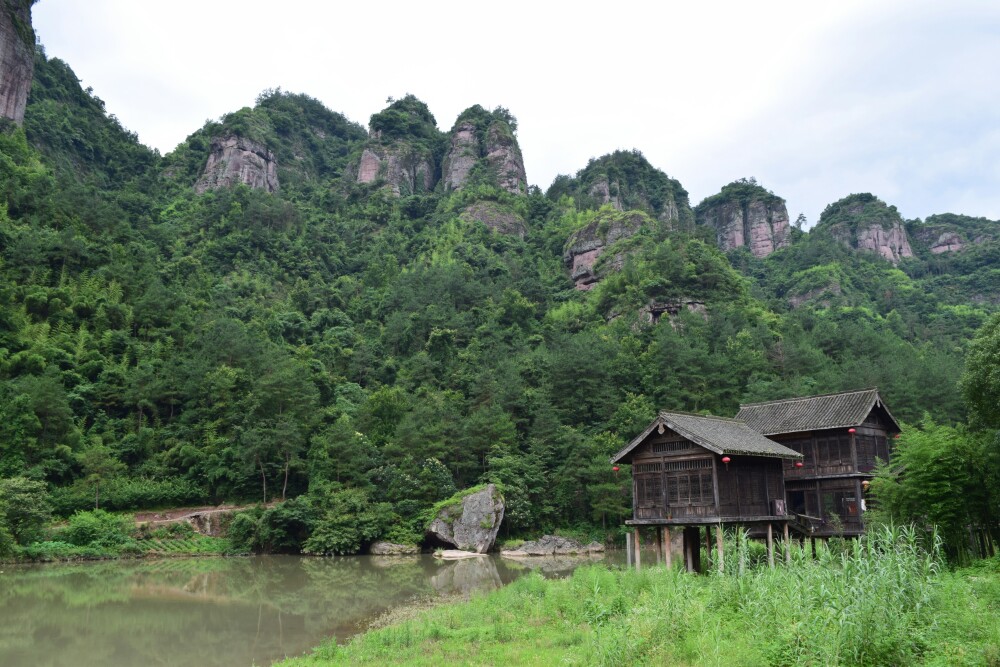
288, 304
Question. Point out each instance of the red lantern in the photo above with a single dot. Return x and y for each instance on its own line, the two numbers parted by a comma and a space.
616, 468
851, 431
726, 459
798, 464
896, 437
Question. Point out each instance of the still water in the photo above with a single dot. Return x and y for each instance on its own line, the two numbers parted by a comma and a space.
207, 612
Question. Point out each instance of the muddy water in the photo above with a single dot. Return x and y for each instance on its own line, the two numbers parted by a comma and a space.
216, 611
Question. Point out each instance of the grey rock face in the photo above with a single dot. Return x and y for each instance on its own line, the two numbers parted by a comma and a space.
499, 151
553, 545
236, 160
504, 157
760, 226
497, 218
586, 245
383, 548
17, 58
461, 158
471, 525
405, 170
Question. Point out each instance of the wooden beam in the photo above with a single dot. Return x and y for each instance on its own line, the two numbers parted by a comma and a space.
667, 547
628, 549
658, 544
770, 545
708, 544
718, 546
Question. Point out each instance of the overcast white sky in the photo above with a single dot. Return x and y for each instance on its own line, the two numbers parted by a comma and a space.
815, 100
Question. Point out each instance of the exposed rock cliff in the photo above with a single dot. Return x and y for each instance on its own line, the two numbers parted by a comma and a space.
17, 57
948, 232
627, 181
235, 160
744, 214
400, 151
865, 222
497, 217
483, 148
585, 247
405, 169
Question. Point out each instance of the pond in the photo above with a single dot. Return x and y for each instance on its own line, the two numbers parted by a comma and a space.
208, 612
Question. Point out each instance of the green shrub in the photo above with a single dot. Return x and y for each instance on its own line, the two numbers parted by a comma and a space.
98, 528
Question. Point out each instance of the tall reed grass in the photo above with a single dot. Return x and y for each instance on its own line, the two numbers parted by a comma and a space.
874, 601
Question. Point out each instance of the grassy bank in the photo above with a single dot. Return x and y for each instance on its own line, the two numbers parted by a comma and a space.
99, 535
880, 601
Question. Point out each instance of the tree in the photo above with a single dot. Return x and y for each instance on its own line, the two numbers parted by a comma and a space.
981, 381
100, 465
24, 508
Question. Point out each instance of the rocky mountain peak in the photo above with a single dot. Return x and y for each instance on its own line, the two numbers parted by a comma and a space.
17, 57
483, 148
625, 180
401, 149
744, 214
867, 223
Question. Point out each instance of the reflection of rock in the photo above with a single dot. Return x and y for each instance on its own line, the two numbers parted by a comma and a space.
470, 523
383, 548
554, 565
457, 554
549, 545
466, 576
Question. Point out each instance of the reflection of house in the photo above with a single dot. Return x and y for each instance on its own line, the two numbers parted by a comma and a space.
840, 437
691, 471
800, 460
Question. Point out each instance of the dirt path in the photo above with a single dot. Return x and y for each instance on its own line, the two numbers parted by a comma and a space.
182, 513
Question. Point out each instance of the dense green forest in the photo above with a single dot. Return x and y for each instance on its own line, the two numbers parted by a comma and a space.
367, 352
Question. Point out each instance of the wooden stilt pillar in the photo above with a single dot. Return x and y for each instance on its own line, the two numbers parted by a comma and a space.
658, 543
770, 545
688, 557
788, 546
740, 549
638, 549
708, 546
696, 548
628, 549
668, 556
812, 541
718, 548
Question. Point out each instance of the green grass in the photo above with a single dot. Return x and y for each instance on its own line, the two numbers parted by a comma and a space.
880, 601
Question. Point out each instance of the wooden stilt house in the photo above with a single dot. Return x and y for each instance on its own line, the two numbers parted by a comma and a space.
840, 437
691, 471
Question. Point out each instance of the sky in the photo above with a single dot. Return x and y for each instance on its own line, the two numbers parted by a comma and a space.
900, 98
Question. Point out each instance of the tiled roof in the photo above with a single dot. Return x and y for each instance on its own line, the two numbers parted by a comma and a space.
717, 434
811, 413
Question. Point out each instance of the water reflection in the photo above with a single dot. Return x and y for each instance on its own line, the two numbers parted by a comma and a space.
218, 612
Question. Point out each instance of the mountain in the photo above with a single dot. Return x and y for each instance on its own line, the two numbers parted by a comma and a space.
291, 305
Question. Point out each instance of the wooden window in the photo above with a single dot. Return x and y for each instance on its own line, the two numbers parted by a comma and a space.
672, 447
690, 485
646, 467
649, 489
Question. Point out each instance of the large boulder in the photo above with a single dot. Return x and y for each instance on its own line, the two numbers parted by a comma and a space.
17, 58
554, 545
484, 142
383, 548
404, 168
470, 520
